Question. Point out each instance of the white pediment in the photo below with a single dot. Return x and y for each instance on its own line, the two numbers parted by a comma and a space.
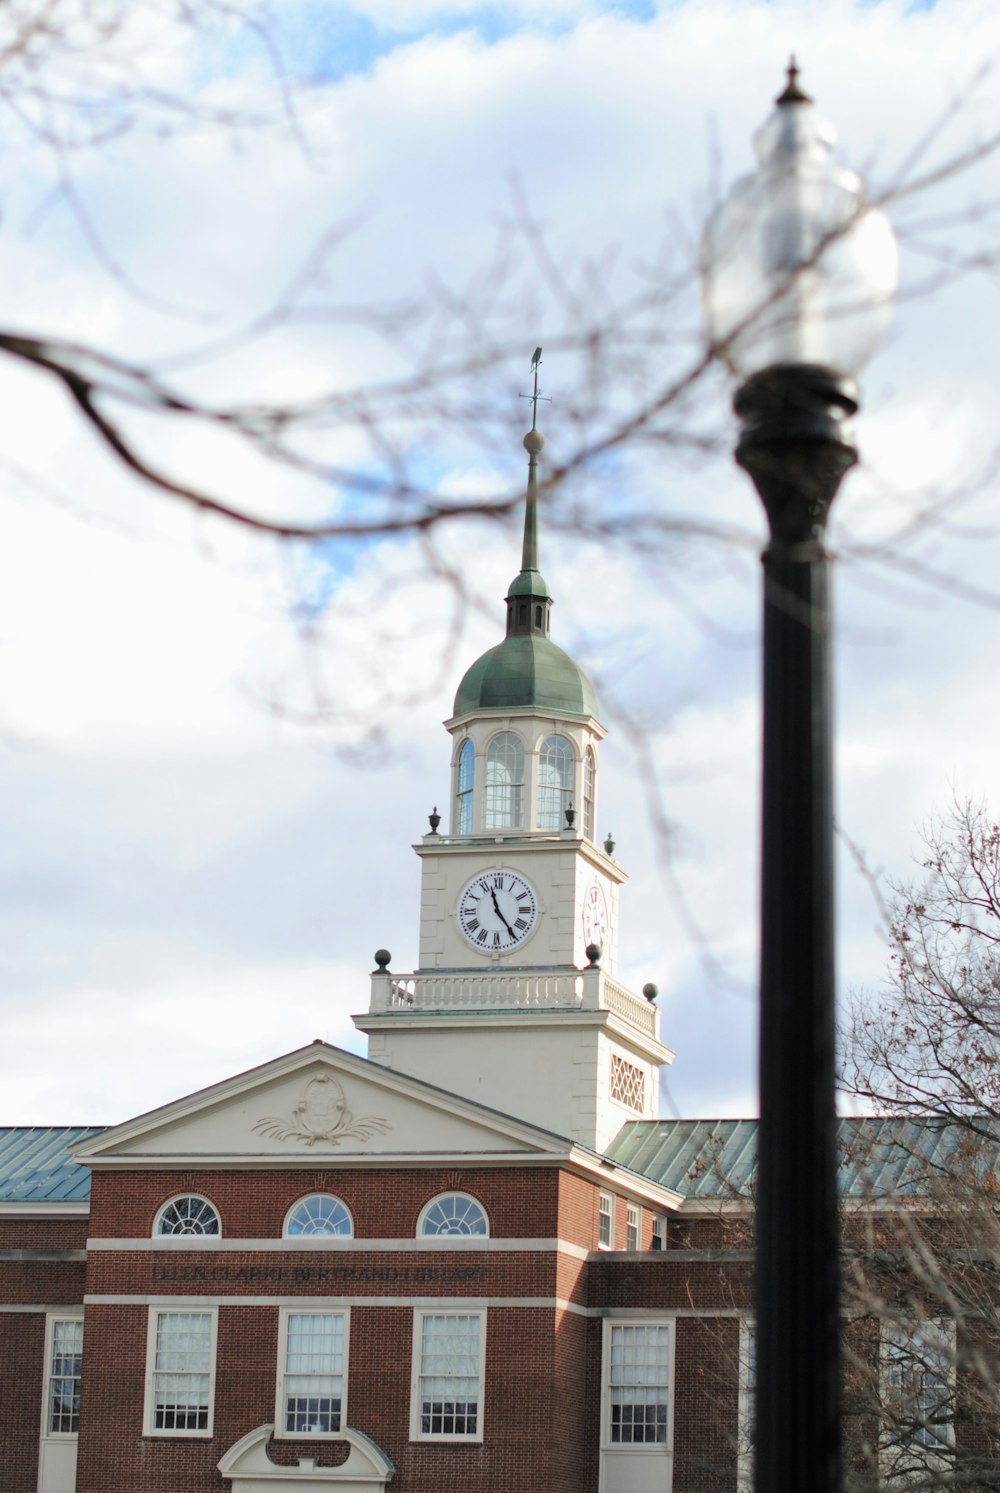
247, 1464
318, 1104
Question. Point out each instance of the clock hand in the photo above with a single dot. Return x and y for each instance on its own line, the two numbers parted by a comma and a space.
499, 914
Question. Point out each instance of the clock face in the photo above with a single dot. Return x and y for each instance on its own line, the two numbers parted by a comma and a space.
497, 911
595, 916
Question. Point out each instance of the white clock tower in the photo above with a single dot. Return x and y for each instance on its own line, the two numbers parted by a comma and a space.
515, 1003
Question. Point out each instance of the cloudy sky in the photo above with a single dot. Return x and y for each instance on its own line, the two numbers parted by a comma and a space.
215, 753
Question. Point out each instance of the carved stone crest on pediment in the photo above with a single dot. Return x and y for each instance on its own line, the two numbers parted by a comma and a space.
322, 1115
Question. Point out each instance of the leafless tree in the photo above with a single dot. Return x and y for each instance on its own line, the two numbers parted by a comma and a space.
924, 1053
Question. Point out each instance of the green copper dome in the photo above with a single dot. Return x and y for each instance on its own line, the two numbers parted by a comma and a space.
526, 672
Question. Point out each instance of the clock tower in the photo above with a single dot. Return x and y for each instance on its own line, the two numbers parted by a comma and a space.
515, 1002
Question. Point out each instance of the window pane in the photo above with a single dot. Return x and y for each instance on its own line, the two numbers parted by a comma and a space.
449, 1375
466, 777
64, 1377
454, 1213
188, 1215
505, 782
639, 1388
181, 1371
555, 782
314, 1372
589, 789
605, 1220
917, 1369
319, 1214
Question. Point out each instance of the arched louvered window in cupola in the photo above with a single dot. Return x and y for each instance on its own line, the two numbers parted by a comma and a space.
505, 782
465, 777
555, 782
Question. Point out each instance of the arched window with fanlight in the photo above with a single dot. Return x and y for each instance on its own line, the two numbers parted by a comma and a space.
455, 1214
555, 782
319, 1213
504, 804
465, 778
187, 1214
589, 792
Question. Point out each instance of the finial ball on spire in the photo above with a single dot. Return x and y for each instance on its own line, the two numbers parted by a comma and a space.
533, 442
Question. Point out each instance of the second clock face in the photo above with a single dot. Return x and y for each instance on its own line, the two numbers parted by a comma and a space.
497, 911
595, 916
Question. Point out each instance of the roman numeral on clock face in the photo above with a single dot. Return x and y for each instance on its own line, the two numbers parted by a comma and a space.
497, 911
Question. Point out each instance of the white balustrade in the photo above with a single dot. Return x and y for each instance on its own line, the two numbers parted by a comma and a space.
500, 990
620, 1000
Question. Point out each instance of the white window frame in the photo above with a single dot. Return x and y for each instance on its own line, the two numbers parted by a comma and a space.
555, 755
180, 1197
307, 1197
438, 1197
51, 1318
496, 791
897, 1469
745, 1404
637, 1448
609, 1213
658, 1232
633, 1227
308, 1308
420, 1315
589, 792
465, 798
150, 1427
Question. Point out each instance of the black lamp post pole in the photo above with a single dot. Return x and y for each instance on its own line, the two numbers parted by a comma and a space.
795, 445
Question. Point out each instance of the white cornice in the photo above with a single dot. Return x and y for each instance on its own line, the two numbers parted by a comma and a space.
517, 1016
619, 1179
539, 843
528, 713
327, 1161
41, 1210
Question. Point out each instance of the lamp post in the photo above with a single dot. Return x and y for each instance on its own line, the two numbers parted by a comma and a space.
797, 274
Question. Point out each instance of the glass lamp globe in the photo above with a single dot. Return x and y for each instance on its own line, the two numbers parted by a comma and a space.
794, 266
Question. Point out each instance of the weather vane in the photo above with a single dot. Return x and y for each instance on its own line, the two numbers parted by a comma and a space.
535, 397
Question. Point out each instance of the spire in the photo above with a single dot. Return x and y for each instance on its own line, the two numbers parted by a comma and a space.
528, 600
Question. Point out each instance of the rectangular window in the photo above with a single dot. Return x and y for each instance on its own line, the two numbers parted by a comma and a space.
659, 1240
449, 1361
181, 1357
62, 1376
633, 1220
311, 1380
917, 1436
638, 1381
606, 1221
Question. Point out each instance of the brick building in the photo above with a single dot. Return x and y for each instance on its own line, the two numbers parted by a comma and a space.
476, 1259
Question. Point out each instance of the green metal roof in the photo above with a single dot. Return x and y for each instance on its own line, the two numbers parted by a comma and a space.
880, 1158
36, 1165
526, 672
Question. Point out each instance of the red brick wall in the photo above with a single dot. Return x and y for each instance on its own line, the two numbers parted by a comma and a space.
541, 1412
43, 1233
22, 1347
520, 1203
35, 1283
706, 1385
534, 1413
